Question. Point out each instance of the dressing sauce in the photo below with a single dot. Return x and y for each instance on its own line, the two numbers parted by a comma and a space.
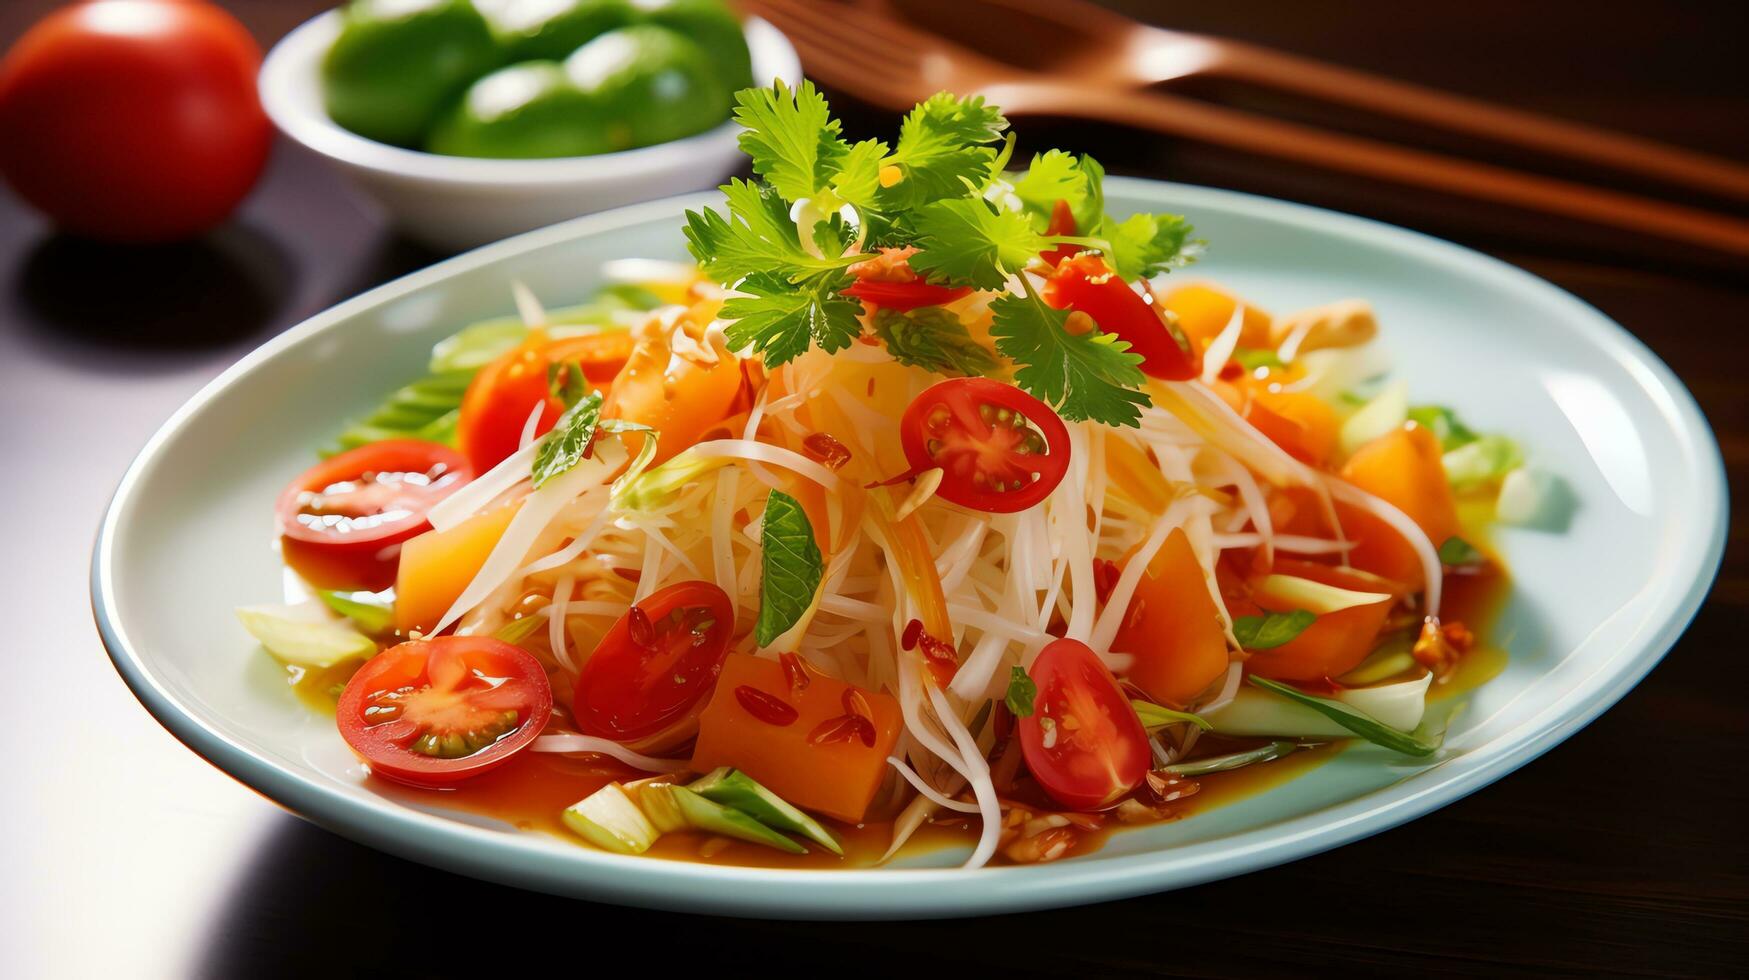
531, 790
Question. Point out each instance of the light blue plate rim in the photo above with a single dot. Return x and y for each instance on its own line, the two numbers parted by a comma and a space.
908, 893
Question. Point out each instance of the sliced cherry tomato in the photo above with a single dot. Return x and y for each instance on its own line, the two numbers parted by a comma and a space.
654, 670
1086, 285
601, 355
905, 296
1083, 741
1062, 223
368, 498
1000, 449
434, 712
500, 399
503, 395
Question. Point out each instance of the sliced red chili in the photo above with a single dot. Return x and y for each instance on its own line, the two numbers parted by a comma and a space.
1085, 284
904, 296
766, 707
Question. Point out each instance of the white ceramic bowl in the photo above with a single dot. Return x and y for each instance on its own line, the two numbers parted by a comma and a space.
455, 203
1593, 607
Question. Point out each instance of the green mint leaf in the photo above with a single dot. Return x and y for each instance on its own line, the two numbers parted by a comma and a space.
1252, 358
757, 237
1145, 245
934, 339
1270, 630
1021, 692
1444, 424
568, 443
965, 242
1423, 741
369, 613
941, 149
791, 137
790, 567
1086, 376
1456, 551
1154, 716
780, 319
858, 180
566, 383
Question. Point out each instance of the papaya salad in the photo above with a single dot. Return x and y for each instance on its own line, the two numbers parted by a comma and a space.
929, 496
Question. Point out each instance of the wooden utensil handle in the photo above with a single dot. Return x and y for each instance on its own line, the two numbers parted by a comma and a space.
1178, 116
1415, 103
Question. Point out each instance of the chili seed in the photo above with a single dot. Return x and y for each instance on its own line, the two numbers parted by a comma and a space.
765, 707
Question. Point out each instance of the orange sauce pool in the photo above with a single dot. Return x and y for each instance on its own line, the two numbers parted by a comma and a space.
531, 790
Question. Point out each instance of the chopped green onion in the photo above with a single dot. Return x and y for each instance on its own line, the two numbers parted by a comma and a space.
1155, 717
1238, 760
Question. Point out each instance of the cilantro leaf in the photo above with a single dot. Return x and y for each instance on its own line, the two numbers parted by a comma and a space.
569, 442
1057, 176
1021, 692
941, 148
1086, 376
1456, 551
934, 339
758, 236
791, 137
858, 180
780, 319
790, 567
1144, 245
964, 241
1272, 629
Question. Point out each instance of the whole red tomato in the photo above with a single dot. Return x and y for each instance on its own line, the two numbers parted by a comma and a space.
133, 120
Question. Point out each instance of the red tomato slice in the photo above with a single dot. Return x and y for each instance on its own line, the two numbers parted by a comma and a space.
1084, 284
905, 296
499, 401
1083, 741
653, 671
1000, 449
601, 355
368, 498
434, 712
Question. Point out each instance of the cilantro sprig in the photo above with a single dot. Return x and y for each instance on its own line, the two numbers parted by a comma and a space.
820, 204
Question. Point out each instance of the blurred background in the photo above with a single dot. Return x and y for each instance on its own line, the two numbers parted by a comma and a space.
130, 275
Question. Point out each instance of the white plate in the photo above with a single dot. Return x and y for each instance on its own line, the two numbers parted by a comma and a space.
187, 538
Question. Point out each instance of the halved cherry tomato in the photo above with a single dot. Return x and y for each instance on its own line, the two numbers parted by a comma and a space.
601, 355
654, 669
1086, 285
904, 296
500, 399
365, 499
503, 395
1000, 449
434, 712
1083, 741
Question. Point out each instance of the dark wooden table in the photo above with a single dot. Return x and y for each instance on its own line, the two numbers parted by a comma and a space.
1623, 851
